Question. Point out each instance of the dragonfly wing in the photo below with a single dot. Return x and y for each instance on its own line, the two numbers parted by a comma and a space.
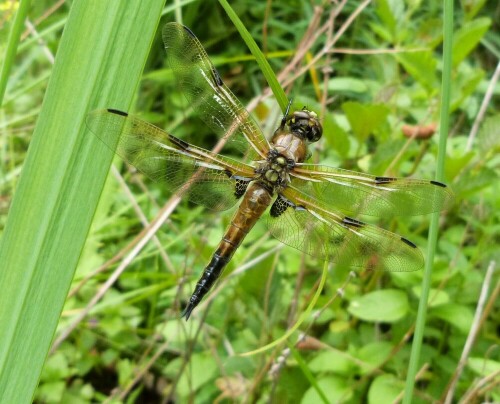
203, 87
204, 177
310, 226
360, 193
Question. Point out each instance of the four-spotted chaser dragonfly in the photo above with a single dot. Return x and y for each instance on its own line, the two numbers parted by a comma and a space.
311, 206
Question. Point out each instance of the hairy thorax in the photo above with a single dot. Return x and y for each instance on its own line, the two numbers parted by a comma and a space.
287, 150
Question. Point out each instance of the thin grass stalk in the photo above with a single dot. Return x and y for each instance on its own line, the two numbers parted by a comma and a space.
264, 65
434, 224
12, 43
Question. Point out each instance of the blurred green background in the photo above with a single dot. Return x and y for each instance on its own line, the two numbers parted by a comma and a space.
375, 80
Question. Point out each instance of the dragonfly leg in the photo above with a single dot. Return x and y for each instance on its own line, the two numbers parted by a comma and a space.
283, 120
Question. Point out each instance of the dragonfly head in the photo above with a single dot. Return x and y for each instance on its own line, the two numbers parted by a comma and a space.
306, 124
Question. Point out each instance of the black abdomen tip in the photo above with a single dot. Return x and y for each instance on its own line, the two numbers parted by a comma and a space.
186, 313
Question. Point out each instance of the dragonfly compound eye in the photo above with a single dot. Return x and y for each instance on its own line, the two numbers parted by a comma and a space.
315, 131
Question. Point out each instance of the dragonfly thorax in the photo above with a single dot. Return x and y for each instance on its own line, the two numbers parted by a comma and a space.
273, 172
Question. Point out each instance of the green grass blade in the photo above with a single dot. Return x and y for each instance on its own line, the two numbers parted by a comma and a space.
434, 224
264, 65
12, 42
307, 373
99, 63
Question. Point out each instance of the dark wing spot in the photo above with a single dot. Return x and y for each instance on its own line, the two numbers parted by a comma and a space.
280, 205
178, 142
349, 221
117, 112
240, 188
384, 180
439, 184
189, 31
406, 241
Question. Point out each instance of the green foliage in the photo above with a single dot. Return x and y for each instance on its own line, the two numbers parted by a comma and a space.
132, 346
382, 306
373, 117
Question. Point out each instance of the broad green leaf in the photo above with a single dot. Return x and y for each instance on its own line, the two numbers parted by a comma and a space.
335, 388
465, 83
331, 362
455, 314
125, 369
436, 296
364, 119
386, 15
384, 389
99, 62
347, 84
373, 355
384, 155
474, 180
456, 163
387, 306
472, 7
202, 368
483, 366
422, 67
467, 37
56, 368
335, 135
51, 392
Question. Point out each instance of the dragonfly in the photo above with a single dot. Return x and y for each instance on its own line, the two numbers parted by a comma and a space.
310, 207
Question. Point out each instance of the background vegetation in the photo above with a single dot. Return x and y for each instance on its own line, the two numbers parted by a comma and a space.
372, 70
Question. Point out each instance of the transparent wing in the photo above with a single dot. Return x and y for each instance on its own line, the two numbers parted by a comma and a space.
360, 193
215, 104
206, 178
310, 226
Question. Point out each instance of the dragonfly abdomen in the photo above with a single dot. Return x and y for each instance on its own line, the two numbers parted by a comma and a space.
254, 203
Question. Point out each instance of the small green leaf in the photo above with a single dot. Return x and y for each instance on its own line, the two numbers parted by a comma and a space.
436, 296
386, 306
202, 369
457, 315
465, 82
51, 392
125, 371
483, 366
467, 37
373, 355
386, 15
335, 135
347, 84
331, 362
56, 368
384, 389
474, 180
472, 7
422, 67
455, 164
335, 388
364, 118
